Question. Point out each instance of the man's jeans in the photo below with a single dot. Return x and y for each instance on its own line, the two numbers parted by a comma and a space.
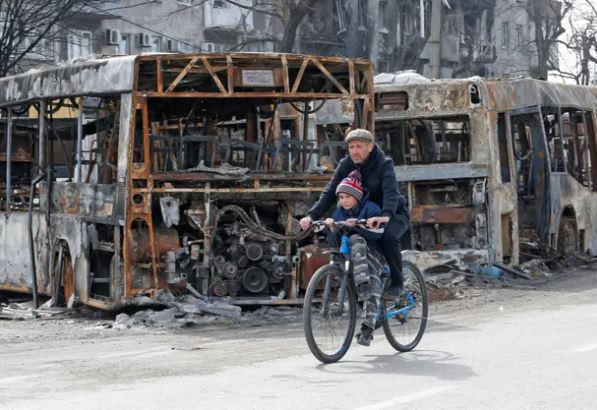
390, 246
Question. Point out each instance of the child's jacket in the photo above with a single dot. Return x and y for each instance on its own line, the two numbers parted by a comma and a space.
366, 209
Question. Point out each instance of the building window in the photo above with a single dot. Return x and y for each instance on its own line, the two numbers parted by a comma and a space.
519, 36
362, 14
156, 44
383, 16
124, 44
79, 44
340, 14
212, 48
219, 4
186, 47
505, 34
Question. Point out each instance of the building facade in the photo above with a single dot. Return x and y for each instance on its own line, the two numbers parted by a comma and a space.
437, 38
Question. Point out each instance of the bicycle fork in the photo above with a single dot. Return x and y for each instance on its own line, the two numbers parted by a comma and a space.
327, 302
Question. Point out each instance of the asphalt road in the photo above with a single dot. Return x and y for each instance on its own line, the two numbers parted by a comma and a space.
514, 349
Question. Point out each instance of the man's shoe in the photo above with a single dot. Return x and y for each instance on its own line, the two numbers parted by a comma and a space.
365, 336
395, 291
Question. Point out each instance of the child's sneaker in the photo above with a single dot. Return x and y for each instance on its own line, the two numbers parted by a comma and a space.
365, 336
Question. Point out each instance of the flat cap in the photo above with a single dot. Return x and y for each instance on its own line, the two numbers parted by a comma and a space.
359, 134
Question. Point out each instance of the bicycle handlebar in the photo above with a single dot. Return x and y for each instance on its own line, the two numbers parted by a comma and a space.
342, 224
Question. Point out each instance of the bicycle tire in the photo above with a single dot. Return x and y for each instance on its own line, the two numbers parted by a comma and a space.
316, 323
414, 283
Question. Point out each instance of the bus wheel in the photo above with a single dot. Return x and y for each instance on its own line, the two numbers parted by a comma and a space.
567, 237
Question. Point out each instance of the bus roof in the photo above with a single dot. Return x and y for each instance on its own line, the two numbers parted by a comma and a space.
116, 75
445, 97
112, 75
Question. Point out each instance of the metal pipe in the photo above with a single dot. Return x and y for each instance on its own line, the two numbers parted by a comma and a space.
41, 159
434, 41
303, 153
34, 182
49, 179
8, 162
79, 141
422, 14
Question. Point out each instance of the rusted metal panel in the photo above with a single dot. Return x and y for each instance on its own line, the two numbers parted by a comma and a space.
15, 269
166, 239
567, 193
436, 98
261, 77
522, 93
441, 214
408, 173
94, 201
312, 258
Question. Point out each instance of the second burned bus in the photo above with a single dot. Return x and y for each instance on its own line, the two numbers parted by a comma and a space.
493, 170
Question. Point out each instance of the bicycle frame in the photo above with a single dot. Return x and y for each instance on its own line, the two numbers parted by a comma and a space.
346, 266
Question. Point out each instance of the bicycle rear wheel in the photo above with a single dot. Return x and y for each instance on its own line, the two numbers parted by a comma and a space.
329, 314
405, 319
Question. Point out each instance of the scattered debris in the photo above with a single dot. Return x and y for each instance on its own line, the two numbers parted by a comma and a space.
446, 282
512, 271
190, 311
224, 169
24, 311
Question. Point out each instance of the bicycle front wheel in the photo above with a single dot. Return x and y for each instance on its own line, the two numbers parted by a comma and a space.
405, 319
329, 314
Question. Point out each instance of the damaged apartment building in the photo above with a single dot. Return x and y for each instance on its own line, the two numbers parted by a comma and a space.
437, 38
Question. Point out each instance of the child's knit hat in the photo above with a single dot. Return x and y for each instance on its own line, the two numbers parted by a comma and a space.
351, 185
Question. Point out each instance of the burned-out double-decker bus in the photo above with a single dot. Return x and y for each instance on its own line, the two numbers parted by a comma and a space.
126, 175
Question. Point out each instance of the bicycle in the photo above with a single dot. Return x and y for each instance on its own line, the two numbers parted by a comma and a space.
330, 305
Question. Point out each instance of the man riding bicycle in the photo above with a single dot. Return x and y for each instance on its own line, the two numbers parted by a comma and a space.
378, 178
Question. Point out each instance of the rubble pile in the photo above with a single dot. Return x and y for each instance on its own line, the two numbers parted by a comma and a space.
273, 314
180, 311
447, 281
25, 310
195, 309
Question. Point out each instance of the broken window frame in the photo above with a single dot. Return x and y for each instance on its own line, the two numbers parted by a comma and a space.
408, 127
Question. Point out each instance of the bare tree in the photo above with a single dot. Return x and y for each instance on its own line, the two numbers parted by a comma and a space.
25, 24
580, 43
547, 17
290, 13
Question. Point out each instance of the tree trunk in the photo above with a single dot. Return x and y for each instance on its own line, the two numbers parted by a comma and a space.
293, 16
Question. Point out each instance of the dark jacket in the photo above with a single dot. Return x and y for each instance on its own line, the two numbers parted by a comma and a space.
377, 177
366, 209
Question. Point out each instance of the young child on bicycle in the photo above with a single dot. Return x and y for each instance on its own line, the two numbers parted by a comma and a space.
365, 251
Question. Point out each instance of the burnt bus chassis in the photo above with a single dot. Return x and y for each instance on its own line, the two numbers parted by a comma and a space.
135, 195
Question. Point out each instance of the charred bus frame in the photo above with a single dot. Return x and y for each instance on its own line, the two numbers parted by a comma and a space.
142, 173
495, 171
